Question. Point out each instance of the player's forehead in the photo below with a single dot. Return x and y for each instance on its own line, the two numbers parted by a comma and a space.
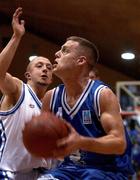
70, 44
41, 60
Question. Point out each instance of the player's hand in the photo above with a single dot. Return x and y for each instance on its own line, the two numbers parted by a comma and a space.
17, 24
68, 144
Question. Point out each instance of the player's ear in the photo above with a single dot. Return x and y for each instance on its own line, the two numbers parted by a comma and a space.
81, 60
27, 75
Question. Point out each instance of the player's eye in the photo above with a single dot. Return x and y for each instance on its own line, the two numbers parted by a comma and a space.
39, 65
49, 67
64, 50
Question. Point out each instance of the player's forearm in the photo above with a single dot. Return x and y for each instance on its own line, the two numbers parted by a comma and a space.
105, 145
6, 56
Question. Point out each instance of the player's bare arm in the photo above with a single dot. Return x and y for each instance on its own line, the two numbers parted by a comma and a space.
8, 84
46, 101
114, 141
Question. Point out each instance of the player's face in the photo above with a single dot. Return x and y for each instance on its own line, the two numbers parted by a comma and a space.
41, 71
66, 58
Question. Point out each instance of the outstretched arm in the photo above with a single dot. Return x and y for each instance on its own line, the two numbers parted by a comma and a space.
7, 82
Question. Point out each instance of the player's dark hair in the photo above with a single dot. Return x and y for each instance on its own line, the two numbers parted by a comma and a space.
86, 43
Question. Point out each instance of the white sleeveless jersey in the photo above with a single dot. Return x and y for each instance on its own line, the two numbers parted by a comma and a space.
13, 155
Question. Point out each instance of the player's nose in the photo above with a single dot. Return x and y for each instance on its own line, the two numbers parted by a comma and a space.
57, 54
44, 68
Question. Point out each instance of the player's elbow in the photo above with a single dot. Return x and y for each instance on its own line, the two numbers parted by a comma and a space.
121, 147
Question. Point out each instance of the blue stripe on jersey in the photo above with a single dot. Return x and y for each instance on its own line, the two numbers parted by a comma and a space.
2, 138
38, 102
11, 111
6, 175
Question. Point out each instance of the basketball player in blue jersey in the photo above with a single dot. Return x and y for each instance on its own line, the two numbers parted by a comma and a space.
98, 146
19, 103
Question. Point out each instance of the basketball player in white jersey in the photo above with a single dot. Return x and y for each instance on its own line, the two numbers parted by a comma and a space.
19, 103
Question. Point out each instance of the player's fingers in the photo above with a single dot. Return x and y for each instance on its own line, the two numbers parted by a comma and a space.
61, 143
71, 129
17, 12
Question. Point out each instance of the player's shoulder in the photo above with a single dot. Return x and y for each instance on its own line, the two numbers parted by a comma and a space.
99, 83
104, 88
58, 89
18, 81
50, 93
10, 99
60, 86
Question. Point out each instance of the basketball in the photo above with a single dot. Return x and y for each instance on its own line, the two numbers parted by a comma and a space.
41, 133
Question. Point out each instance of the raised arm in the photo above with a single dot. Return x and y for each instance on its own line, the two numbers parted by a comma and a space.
8, 84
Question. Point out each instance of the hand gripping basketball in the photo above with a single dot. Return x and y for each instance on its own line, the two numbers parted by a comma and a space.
40, 135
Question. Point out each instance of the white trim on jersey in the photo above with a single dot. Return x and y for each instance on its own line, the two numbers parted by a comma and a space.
1, 99
96, 100
17, 105
72, 111
53, 98
38, 102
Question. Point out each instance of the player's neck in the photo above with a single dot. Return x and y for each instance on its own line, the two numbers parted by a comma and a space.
75, 88
39, 90
74, 91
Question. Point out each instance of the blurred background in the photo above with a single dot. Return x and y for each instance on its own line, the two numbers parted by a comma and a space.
114, 26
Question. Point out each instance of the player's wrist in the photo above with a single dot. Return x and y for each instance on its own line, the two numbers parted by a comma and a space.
81, 142
17, 36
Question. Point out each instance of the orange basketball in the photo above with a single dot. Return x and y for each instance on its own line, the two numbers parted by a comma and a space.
41, 134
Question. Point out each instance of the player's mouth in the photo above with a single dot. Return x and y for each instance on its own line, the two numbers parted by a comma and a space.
55, 64
44, 76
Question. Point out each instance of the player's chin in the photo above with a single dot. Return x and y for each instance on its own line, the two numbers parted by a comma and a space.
57, 72
56, 69
42, 83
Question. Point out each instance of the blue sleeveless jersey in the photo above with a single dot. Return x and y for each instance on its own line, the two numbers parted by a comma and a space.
84, 116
